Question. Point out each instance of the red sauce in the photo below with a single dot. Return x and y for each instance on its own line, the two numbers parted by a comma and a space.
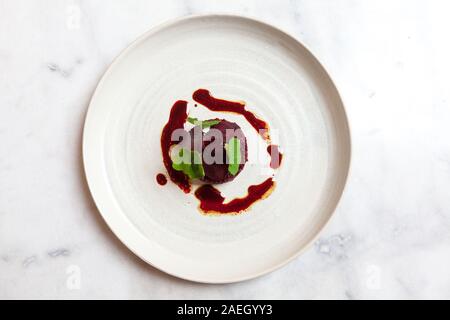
161, 179
177, 118
204, 97
275, 156
212, 201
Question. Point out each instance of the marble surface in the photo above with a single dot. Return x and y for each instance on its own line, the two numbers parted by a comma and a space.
390, 236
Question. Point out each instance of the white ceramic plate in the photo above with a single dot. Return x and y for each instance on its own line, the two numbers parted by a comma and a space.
235, 58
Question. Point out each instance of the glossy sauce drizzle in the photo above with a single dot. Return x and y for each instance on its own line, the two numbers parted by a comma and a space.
161, 179
177, 118
205, 98
211, 200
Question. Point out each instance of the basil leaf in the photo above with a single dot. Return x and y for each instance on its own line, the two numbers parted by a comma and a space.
233, 150
196, 169
194, 121
209, 123
189, 162
204, 124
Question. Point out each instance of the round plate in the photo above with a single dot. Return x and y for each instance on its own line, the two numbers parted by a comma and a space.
235, 58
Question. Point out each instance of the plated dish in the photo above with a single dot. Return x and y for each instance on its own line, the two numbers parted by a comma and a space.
216, 148
213, 151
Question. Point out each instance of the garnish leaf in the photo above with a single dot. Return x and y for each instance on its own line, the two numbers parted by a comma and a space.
189, 162
233, 150
203, 124
194, 121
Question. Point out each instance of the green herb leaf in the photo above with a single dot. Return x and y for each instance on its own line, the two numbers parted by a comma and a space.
189, 162
204, 124
233, 150
194, 121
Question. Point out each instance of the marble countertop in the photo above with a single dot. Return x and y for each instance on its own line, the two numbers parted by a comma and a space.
390, 237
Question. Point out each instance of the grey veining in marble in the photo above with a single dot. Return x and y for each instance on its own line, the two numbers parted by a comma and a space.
390, 237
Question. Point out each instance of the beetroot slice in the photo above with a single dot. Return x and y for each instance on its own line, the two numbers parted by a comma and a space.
218, 172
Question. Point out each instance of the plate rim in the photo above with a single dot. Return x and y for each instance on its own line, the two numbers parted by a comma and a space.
120, 233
